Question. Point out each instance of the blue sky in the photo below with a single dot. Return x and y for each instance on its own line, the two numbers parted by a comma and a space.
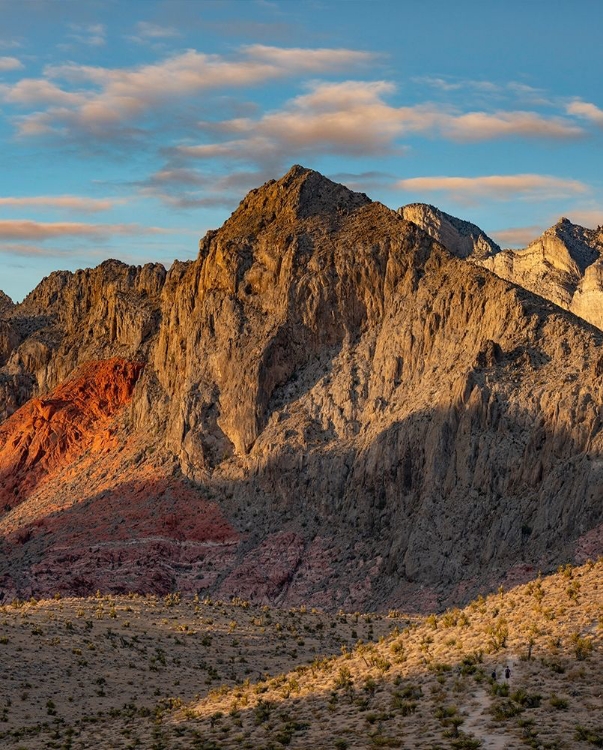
130, 127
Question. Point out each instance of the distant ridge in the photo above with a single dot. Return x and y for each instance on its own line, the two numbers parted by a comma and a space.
563, 265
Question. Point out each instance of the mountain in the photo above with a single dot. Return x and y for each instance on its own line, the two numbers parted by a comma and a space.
461, 238
564, 265
326, 407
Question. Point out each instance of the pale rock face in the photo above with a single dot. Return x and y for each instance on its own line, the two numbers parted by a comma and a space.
379, 421
564, 265
558, 266
461, 238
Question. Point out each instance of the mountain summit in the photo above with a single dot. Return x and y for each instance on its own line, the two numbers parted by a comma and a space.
326, 407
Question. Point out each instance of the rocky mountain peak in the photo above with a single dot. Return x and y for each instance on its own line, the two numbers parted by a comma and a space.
579, 242
343, 413
6, 303
461, 238
300, 194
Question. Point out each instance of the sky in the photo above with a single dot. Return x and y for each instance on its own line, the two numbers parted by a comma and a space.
129, 128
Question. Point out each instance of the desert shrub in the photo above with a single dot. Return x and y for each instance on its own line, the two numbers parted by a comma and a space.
501, 689
470, 662
503, 710
497, 634
560, 704
344, 679
526, 699
465, 742
402, 705
582, 646
588, 734
453, 617
262, 712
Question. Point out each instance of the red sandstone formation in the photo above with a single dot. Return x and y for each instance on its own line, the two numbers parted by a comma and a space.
48, 434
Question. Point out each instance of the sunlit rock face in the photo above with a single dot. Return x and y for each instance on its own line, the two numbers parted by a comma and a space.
564, 265
461, 238
334, 410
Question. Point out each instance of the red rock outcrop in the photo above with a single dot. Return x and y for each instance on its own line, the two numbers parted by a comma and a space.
47, 434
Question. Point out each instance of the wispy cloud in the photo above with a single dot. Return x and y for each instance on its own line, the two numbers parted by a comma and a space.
587, 110
150, 30
517, 236
448, 83
354, 118
500, 187
108, 100
183, 188
92, 34
587, 217
516, 89
68, 202
21, 229
10, 63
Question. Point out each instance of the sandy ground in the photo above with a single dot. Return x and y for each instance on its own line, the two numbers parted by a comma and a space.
162, 673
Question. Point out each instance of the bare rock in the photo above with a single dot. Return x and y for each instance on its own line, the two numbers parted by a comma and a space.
461, 238
345, 413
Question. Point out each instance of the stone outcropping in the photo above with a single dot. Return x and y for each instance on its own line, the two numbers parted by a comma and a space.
564, 265
461, 238
346, 413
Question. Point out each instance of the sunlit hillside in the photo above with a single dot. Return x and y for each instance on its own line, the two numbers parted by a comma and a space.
131, 672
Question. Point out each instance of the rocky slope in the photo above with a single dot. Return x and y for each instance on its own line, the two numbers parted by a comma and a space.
461, 238
6, 303
564, 265
334, 410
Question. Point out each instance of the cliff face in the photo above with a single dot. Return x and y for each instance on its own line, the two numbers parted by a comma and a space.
461, 238
70, 319
564, 265
334, 410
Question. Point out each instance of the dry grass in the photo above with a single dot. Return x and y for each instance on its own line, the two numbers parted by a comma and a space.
425, 685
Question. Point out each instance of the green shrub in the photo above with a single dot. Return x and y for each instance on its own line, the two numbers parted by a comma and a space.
560, 704
503, 710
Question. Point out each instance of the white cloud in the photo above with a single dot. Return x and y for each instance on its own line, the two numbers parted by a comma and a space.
587, 110
480, 126
69, 202
127, 94
21, 229
10, 63
353, 117
36, 91
501, 187
517, 236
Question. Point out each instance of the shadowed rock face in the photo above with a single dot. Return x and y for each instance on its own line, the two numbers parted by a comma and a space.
363, 418
6, 303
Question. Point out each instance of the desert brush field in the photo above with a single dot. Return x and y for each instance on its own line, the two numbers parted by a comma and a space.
175, 672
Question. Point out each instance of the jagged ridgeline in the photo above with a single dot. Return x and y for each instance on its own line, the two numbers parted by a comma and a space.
326, 407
